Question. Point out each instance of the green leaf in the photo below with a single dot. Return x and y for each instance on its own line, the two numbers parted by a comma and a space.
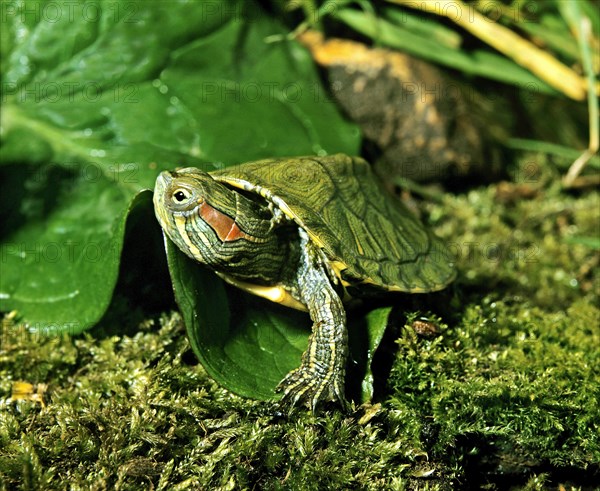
590, 242
61, 244
100, 96
416, 24
553, 32
478, 63
272, 86
366, 331
551, 149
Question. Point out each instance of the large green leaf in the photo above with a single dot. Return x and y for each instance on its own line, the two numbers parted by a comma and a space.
61, 246
275, 106
98, 97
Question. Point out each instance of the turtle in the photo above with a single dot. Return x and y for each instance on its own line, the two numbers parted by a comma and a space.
310, 233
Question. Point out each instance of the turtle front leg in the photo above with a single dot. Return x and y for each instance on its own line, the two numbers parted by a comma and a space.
321, 374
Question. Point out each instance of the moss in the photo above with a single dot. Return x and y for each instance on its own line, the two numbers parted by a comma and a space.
505, 395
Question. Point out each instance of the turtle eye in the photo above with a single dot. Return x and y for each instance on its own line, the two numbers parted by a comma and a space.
180, 195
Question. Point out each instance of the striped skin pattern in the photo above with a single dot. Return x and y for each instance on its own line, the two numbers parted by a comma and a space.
321, 372
305, 232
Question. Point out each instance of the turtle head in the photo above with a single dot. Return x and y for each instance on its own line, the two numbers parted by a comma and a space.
205, 218
195, 211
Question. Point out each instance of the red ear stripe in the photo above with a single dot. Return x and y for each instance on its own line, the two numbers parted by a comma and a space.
224, 226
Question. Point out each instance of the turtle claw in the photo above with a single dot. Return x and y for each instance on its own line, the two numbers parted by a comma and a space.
305, 385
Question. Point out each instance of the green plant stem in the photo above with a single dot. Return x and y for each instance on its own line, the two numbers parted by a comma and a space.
581, 27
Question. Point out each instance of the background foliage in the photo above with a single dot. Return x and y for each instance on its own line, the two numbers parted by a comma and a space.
98, 97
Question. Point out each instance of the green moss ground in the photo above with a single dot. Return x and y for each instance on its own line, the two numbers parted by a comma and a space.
505, 397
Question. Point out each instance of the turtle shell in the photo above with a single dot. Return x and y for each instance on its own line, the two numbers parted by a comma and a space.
369, 237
